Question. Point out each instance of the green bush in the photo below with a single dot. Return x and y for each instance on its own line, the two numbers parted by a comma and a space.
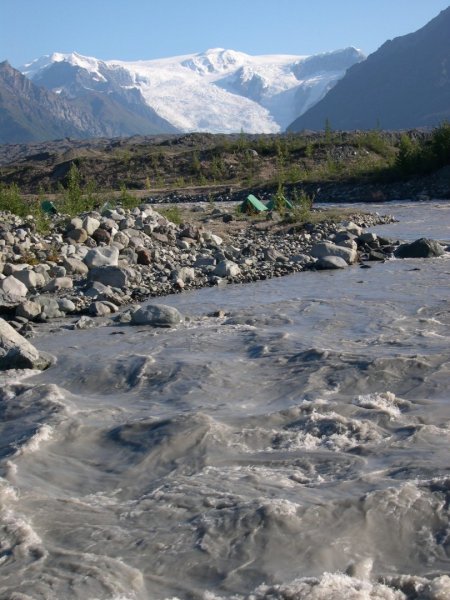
11, 199
172, 214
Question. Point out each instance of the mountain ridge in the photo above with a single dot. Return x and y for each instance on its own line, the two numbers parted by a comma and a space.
29, 112
405, 84
219, 90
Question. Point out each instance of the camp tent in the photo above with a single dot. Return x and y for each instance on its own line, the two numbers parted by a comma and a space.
252, 205
48, 207
281, 201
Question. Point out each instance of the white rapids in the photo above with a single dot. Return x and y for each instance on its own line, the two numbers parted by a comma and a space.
298, 448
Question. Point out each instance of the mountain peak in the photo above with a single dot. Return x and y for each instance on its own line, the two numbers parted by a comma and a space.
405, 84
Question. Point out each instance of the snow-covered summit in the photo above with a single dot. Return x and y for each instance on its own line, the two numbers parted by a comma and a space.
218, 90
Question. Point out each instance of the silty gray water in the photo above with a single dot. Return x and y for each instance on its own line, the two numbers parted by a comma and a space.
297, 448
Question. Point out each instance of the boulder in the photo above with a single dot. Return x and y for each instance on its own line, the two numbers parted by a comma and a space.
326, 249
184, 274
75, 266
101, 236
116, 277
101, 309
13, 287
330, 262
49, 307
79, 236
102, 257
59, 283
16, 352
90, 224
144, 256
28, 310
27, 277
157, 315
421, 248
227, 268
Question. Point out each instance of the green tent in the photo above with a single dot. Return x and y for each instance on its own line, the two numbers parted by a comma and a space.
281, 201
48, 207
251, 205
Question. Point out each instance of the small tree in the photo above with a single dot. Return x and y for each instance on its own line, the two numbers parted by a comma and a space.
328, 131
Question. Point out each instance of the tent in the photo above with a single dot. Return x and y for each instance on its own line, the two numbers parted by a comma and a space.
48, 207
281, 201
252, 205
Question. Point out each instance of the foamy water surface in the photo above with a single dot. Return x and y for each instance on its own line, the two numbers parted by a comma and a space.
298, 448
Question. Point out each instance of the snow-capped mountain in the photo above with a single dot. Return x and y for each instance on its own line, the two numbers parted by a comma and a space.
216, 91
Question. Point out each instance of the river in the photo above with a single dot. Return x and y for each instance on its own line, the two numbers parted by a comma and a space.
297, 447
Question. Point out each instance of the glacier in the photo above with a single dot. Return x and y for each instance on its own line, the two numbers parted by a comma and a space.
217, 91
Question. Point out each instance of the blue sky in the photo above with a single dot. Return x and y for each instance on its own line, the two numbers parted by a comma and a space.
144, 29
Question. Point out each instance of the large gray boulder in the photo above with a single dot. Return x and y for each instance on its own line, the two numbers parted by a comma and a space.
227, 268
157, 315
329, 249
102, 257
116, 277
421, 248
13, 287
16, 352
330, 262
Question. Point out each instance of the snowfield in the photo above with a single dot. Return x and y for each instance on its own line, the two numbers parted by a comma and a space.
214, 91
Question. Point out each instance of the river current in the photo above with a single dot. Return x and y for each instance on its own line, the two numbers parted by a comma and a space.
296, 448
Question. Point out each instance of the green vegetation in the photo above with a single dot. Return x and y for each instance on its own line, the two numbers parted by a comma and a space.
423, 157
301, 209
172, 214
11, 199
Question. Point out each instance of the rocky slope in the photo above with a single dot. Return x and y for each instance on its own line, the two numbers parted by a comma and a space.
29, 112
405, 84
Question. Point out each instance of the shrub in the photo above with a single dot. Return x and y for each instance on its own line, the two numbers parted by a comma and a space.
172, 214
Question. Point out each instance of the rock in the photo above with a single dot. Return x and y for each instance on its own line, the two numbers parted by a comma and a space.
101, 236
376, 255
326, 249
57, 271
421, 248
84, 322
102, 257
75, 266
144, 257
352, 227
116, 277
330, 262
213, 238
59, 283
274, 255
157, 315
184, 274
101, 309
27, 277
66, 306
79, 236
367, 238
17, 352
28, 309
90, 224
49, 307
227, 268
13, 287
205, 261
160, 237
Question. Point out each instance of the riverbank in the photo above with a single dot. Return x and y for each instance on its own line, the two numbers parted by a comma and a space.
96, 263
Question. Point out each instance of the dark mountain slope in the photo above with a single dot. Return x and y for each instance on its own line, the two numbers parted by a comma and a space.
403, 85
30, 113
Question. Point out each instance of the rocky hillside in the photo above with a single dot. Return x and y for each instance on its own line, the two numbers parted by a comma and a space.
403, 85
29, 112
